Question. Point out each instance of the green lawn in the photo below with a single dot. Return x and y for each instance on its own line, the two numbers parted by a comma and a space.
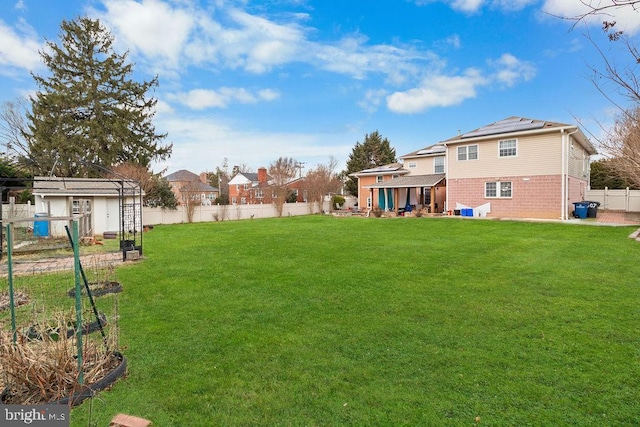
351, 321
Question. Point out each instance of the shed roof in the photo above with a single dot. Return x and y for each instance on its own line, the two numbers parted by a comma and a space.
43, 186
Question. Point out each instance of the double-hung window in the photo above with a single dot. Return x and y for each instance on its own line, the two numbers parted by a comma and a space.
468, 152
438, 164
379, 178
509, 148
497, 190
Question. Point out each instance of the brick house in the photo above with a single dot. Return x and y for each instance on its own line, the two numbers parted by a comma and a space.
248, 188
515, 167
186, 184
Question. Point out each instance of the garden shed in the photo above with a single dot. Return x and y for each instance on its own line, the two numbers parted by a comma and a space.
106, 205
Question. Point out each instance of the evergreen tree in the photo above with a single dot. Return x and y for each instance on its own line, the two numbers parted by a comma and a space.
89, 110
374, 151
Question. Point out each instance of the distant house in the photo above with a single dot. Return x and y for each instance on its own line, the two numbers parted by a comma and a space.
516, 167
187, 185
248, 188
104, 205
297, 187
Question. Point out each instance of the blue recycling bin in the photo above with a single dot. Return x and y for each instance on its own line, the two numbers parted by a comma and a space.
580, 209
41, 227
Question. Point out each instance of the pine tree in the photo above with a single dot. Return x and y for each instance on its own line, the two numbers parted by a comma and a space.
374, 151
89, 110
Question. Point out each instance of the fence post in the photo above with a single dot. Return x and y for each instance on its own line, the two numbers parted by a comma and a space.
627, 195
12, 306
76, 265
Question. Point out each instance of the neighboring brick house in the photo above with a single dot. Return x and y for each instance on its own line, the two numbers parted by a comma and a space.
515, 167
186, 184
248, 188
297, 186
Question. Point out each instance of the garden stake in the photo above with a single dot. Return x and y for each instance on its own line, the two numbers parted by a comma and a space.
86, 285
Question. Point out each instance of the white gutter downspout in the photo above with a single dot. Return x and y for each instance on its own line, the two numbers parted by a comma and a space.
565, 172
563, 190
446, 179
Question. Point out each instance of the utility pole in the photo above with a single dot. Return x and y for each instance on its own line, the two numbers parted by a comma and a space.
300, 166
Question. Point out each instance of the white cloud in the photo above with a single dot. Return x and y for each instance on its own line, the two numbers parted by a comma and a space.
440, 90
200, 99
372, 100
18, 49
151, 27
473, 6
510, 70
437, 91
169, 37
627, 17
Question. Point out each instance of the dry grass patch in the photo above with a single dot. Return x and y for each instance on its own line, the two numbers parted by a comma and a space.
37, 371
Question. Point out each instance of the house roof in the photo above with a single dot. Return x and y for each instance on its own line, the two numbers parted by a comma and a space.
249, 177
520, 126
411, 181
182, 175
433, 150
199, 186
43, 186
391, 168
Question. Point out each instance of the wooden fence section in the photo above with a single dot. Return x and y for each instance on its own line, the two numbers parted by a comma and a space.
615, 200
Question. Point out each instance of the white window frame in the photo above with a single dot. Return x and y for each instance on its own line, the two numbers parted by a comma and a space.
464, 153
438, 168
508, 151
412, 165
379, 178
500, 190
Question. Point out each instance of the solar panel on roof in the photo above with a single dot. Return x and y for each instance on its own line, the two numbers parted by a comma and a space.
432, 150
505, 126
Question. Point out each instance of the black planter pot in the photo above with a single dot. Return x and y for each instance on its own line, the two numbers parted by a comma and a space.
91, 390
98, 289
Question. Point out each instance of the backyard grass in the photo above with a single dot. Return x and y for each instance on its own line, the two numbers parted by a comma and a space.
321, 321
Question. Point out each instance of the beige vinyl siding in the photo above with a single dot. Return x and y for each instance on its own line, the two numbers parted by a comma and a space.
536, 155
578, 160
424, 165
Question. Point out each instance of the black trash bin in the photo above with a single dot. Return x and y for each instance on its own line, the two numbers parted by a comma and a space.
592, 209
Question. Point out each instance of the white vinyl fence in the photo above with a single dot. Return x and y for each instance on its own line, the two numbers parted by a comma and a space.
155, 216
615, 200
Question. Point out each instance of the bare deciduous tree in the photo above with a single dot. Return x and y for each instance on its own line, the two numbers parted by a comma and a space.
13, 128
282, 171
622, 146
321, 181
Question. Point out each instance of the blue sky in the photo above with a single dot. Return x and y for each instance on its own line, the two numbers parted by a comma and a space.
252, 81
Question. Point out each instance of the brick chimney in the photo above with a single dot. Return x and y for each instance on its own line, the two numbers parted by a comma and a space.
203, 178
262, 175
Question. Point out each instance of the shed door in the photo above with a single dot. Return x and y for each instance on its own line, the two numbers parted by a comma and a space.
113, 215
